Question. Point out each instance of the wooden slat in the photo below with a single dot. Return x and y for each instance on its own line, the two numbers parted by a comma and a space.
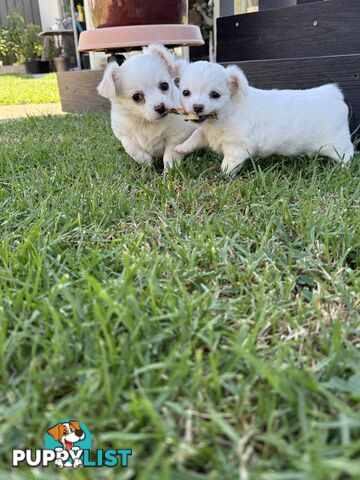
29, 8
3, 13
35, 11
309, 30
11, 69
32, 12
78, 92
10, 4
269, 4
310, 72
19, 5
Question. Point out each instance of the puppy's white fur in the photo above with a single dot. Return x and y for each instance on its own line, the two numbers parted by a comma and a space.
144, 132
259, 123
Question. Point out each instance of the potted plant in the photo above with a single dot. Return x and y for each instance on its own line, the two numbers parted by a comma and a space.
31, 49
24, 43
12, 32
55, 52
107, 13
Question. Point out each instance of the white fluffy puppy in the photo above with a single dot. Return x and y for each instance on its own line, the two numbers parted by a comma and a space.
142, 91
259, 123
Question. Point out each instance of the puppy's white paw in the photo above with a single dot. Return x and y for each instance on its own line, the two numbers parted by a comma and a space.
171, 158
170, 164
231, 164
167, 168
143, 159
228, 167
181, 149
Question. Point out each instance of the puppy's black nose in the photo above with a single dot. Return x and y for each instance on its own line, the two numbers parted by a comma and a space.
198, 108
160, 108
78, 433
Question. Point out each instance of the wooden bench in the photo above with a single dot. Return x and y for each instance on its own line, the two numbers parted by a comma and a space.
300, 46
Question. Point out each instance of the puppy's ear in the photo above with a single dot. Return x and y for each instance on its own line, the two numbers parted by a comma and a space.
75, 424
56, 431
179, 67
158, 50
109, 85
237, 81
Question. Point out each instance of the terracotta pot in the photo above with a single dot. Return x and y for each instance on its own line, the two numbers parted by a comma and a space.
114, 13
61, 64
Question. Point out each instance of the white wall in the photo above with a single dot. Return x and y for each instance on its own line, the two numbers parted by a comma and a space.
49, 11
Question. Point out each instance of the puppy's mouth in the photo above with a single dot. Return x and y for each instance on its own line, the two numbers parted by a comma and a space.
192, 117
199, 119
68, 445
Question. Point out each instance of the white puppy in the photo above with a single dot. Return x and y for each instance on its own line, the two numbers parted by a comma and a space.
142, 91
259, 123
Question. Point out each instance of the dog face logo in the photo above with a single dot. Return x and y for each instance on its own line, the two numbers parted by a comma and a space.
68, 438
67, 433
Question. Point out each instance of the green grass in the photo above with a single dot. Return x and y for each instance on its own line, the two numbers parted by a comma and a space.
211, 324
21, 89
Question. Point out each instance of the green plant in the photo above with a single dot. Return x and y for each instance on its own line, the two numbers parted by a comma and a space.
51, 49
3, 45
13, 33
20, 39
32, 43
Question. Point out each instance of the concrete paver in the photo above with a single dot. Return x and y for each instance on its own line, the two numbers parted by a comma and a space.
11, 112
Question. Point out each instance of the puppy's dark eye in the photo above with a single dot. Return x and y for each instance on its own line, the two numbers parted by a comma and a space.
214, 94
164, 86
186, 93
138, 97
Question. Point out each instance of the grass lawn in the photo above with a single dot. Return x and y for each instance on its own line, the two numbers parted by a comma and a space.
20, 89
210, 324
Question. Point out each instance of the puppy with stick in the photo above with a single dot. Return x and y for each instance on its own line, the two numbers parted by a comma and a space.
250, 122
142, 92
